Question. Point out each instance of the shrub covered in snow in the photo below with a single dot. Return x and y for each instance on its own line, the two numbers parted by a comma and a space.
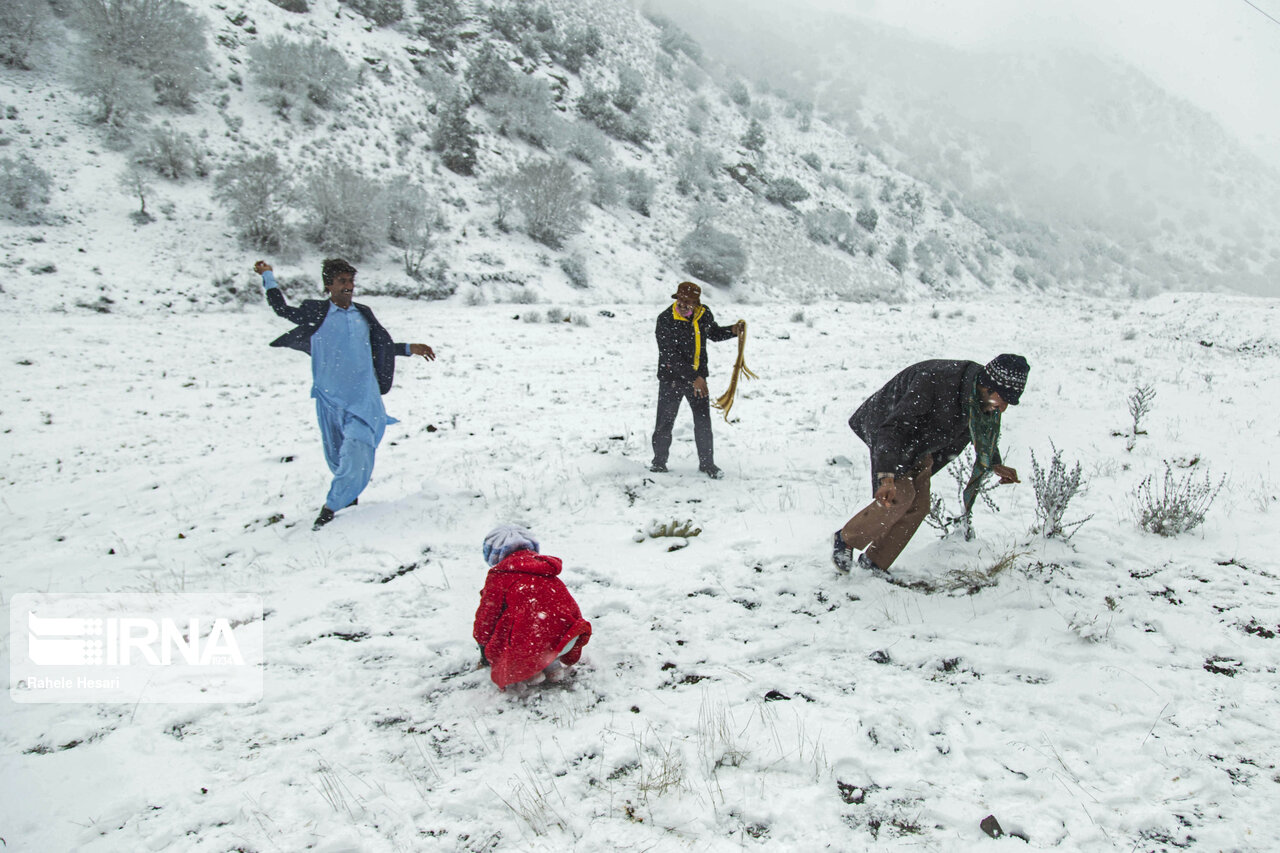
626, 96
696, 168
785, 191
162, 39
1055, 488
489, 73
524, 111
587, 143
413, 219
549, 197
381, 12
1174, 505
597, 106
173, 154
640, 190
830, 225
898, 256
345, 212
455, 139
118, 92
24, 189
575, 268
439, 20
293, 72
577, 45
23, 24
258, 193
714, 256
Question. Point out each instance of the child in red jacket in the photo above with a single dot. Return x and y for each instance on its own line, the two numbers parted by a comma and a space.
528, 626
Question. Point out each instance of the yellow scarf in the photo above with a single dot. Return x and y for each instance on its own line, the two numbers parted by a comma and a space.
697, 332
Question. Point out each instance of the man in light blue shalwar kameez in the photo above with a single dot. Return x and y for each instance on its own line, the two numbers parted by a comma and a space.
352, 366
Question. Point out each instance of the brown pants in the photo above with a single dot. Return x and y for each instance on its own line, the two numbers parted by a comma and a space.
883, 531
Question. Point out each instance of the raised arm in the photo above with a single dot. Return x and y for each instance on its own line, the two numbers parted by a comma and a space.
275, 298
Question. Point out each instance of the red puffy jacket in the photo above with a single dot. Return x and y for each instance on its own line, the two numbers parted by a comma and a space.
526, 615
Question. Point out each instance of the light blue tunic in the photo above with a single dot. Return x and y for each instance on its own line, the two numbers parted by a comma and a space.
342, 374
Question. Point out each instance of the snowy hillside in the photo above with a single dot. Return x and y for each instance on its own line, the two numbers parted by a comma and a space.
1081, 164
138, 214
1113, 692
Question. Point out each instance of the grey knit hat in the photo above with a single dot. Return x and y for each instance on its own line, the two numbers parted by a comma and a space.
504, 540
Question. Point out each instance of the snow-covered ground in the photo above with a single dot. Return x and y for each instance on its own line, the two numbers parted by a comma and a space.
1117, 692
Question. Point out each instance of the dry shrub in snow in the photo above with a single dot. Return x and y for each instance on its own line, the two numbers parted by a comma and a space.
23, 24
412, 221
346, 213
1055, 487
455, 138
258, 195
118, 92
489, 74
549, 196
24, 189
381, 12
1140, 403
162, 39
575, 268
714, 256
293, 72
173, 154
640, 190
525, 112
1174, 505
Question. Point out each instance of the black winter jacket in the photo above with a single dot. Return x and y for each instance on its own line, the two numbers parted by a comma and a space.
310, 316
923, 410
676, 345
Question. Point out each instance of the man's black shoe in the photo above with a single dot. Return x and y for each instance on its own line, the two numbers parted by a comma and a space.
354, 502
713, 472
864, 562
841, 554
658, 468
325, 516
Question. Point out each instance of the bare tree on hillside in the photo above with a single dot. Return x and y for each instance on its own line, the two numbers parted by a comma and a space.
258, 194
549, 197
23, 24
163, 39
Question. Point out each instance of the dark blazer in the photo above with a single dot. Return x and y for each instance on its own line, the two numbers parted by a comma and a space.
923, 410
310, 316
676, 344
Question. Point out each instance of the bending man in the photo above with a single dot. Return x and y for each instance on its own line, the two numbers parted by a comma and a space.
914, 426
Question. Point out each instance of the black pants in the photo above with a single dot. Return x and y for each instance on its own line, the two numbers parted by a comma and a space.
669, 394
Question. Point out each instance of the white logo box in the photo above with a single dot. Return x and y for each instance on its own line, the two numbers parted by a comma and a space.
135, 647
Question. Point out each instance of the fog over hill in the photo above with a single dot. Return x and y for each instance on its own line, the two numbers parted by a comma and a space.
1075, 158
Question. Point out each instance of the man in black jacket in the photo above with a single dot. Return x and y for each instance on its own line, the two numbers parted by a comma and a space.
352, 366
682, 373
914, 426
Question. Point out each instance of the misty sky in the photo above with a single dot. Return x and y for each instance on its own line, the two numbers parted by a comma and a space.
1222, 55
